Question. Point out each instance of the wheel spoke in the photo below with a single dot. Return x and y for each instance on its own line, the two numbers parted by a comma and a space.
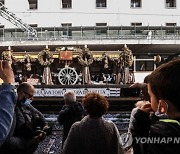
71, 82
67, 76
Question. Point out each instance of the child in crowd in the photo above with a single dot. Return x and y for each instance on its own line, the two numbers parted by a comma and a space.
162, 136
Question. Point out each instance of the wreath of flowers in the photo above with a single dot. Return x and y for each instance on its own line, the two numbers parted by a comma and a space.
126, 57
84, 62
8, 55
49, 57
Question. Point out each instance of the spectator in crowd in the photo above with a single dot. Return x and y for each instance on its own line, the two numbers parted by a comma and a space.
93, 134
144, 99
71, 112
8, 99
138, 105
143, 88
163, 88
29, 126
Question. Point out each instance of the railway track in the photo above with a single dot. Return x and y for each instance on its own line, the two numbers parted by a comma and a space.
51, 144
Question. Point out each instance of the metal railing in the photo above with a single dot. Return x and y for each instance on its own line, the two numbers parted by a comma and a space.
93, 33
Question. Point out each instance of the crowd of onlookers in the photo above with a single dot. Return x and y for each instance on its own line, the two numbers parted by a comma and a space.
154, 126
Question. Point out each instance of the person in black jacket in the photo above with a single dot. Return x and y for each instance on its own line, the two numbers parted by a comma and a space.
28, 125
163, 135
71, 112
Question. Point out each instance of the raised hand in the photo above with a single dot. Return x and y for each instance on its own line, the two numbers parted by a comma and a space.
6, 72
138, 85
147, 108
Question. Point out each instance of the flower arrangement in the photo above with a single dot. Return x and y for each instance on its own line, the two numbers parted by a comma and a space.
45, 57
125, 57
85, 58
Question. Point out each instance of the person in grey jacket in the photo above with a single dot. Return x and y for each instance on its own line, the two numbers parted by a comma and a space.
93, 134
7, 99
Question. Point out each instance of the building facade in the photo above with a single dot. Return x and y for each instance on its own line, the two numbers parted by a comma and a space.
57, 13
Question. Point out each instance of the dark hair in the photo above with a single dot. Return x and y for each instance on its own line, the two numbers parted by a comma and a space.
95, 104
146, 78
144, 91
165, 82
23, 87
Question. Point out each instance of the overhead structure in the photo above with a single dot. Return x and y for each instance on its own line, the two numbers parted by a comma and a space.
11, 17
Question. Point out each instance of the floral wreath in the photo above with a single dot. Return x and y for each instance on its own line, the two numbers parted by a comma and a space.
8, 55
49, 57
27, 59
126, 57
89, 60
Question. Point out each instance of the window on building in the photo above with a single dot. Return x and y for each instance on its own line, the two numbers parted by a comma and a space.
171, 30
101, 28
170, 3
136, 24
1, 26
2, 1
135, 3
101, 3
66, 3
33, 25
66, 30
101, 24
135, 29
33, 4
144, 65
171, 24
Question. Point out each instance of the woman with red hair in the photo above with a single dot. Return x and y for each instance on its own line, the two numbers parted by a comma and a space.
93, 134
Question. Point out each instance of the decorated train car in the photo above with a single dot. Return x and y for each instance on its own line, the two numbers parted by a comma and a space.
78, 69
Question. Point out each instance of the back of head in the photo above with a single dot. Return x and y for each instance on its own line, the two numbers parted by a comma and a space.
165, 82
69, 97
144, 92
95, 104
146, 78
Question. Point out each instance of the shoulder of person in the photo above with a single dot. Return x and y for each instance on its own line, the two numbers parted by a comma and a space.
76, 125
65, 107
111, 123
165, 128
78, 104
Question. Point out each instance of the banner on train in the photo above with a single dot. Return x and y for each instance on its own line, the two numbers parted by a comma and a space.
80, 92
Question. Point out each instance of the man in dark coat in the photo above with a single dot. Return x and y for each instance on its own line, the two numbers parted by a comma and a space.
71, 112
28, 124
